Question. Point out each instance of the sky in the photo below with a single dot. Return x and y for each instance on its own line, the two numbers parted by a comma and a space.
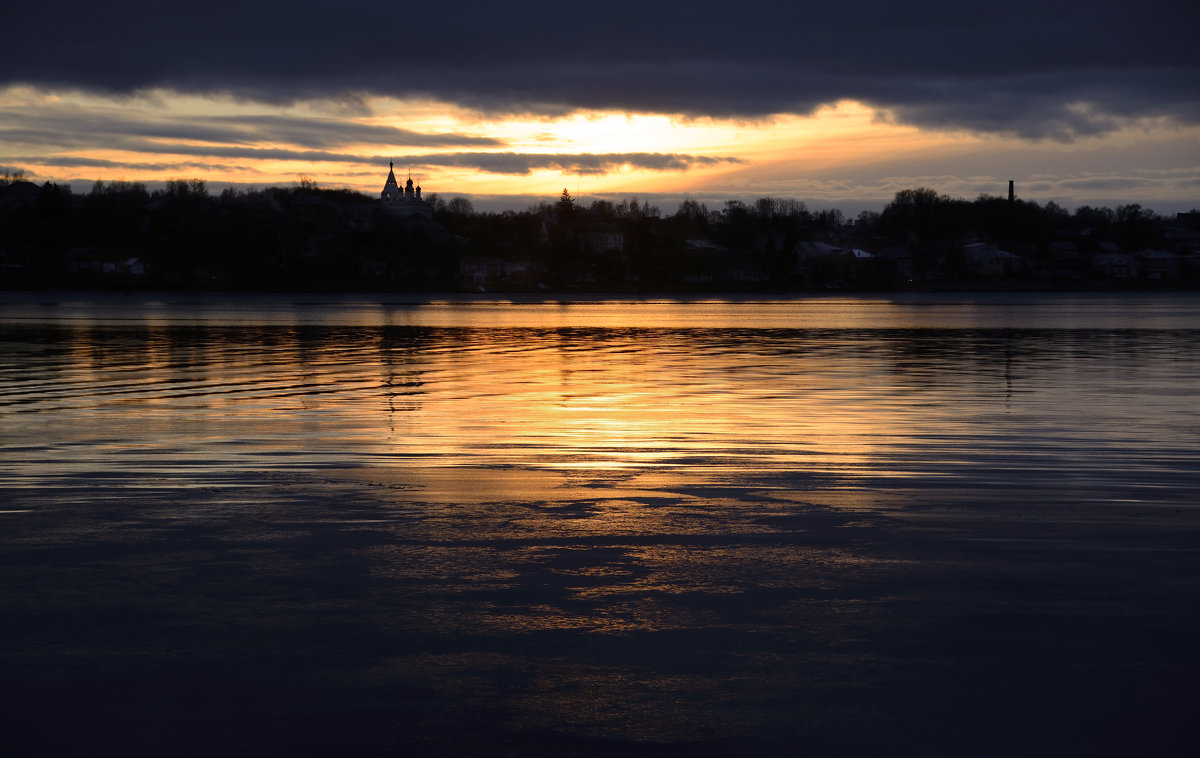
839, 105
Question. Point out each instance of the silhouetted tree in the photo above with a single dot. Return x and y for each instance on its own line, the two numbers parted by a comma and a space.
10, 175
828, 220
866, 222
565, 209
459, 206
692, 211
186, 188
630, 209
1135, 225
602, 209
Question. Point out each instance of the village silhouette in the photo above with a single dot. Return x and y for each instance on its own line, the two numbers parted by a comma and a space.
120, 235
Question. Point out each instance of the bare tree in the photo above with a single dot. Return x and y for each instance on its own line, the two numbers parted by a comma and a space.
11, 175
460, 206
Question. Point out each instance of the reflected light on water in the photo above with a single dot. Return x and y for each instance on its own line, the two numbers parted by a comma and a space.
600, 524
715, 391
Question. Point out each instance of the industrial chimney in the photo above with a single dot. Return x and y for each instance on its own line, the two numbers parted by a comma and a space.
1011, 196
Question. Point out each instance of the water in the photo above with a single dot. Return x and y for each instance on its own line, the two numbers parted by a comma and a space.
959, 524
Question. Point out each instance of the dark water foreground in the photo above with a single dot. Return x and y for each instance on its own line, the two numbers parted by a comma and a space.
940, 528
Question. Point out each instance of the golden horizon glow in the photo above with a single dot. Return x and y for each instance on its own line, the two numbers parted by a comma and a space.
159, 135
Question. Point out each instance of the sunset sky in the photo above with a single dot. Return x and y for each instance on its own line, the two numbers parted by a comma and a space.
838, 105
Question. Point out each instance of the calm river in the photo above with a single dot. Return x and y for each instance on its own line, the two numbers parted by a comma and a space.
344, 525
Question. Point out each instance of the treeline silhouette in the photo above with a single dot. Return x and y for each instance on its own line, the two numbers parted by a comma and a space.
303, 237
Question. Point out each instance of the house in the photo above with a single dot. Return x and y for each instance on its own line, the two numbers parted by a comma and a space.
1063, 250
746, 270
706, 246
83, 260
602, 240
1159, 264
818, 249
986, 259
483, 270
19, 193
1115, 265
896, 262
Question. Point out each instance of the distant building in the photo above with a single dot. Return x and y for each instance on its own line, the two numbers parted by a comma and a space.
480, 270
1159, 264
988, 260
1115, 265
1189, 219
603, 240
19, 193
403, 202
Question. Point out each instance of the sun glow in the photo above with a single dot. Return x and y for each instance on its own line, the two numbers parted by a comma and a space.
160, 134
844, 150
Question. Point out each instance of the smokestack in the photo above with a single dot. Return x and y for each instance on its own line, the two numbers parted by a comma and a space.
1011, 196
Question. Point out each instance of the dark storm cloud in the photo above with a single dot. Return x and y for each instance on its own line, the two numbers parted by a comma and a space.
66, 125
71, 162
1036, 69
331, 133
581, 163
493, 163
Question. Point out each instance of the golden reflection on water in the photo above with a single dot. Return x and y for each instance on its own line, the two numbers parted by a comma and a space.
656, 523
704, 389
600, 425
629, 399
